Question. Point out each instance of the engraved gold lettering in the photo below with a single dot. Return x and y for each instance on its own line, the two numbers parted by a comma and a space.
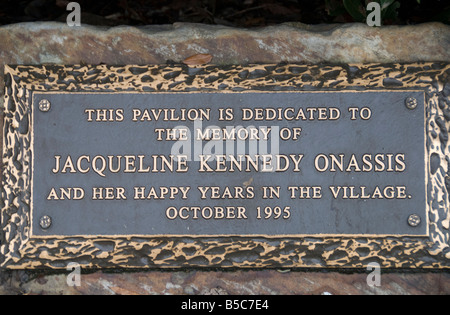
57, 164
368, 162
233, 133
80, 169
172, 134
216, 192
118, 163
400, 163
110, 161
105, 115
102, 168
206, 213
130, 164
305, 192
248, 163
70, 193
141, 168
171, 114
68, 165
108, 193
353, 192
291, 114
171, 192
271, 192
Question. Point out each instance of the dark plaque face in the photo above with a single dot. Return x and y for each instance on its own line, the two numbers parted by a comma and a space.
264, 166
253, 163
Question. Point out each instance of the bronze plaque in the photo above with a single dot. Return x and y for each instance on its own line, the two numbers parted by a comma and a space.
239, 166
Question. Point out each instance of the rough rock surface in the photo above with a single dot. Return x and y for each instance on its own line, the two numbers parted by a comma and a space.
266, 282
37, 43
40, 43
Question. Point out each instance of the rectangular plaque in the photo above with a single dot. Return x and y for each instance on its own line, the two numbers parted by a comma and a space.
238, 166
288, 163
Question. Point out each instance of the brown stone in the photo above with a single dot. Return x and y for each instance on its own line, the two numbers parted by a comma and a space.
267, 282
50, 42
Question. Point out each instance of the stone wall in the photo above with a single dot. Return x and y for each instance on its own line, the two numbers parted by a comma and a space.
42, 43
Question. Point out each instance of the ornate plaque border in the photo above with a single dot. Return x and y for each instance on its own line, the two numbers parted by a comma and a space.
18, 250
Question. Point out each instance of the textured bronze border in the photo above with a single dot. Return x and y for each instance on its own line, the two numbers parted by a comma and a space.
19, 250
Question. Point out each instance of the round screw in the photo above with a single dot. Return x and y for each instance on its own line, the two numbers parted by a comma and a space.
44, 105
45, 222
411, 103
414, 220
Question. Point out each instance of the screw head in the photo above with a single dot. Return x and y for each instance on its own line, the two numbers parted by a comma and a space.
411, 103
44, 105
414, 220
45, 222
